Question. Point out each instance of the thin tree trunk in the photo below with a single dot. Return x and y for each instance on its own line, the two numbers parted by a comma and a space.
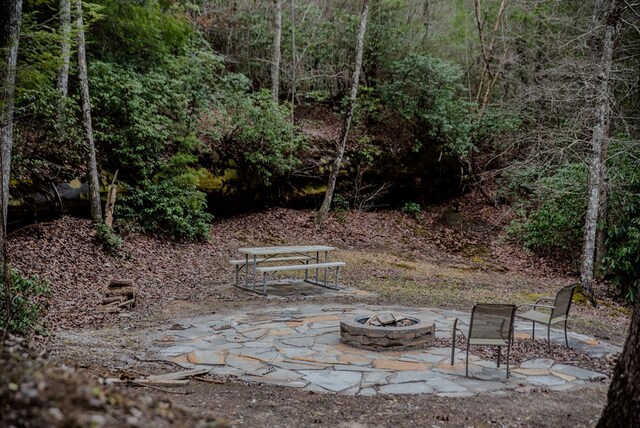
275, 62
294, 63
92, 168
599, 140
622, 409
62, 83
337, 163
10, 39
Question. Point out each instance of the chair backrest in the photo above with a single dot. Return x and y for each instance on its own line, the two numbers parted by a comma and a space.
562, 302
491, 321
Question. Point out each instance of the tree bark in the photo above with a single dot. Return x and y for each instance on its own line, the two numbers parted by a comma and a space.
62, 83
337, 163
275, 62
12, 11
65, 45
92, 168
599, 141
622, 409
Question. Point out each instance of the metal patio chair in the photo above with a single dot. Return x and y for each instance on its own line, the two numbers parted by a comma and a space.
551, 314
491, 324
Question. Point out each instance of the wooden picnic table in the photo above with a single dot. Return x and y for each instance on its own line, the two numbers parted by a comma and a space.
269, 259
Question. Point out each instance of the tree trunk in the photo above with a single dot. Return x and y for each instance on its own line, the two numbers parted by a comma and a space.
337, 163
275, 62
599, 142
62, 83
622, 409
92, 168
12, 11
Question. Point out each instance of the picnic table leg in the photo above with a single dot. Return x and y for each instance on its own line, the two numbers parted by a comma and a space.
246, 270
317, 261
306, 271
255, 263
326, 259
337, 276
264, 283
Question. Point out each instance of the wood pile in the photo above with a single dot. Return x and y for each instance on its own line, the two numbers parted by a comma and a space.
120, 293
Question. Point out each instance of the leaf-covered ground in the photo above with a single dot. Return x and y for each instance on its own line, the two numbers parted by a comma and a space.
450, 257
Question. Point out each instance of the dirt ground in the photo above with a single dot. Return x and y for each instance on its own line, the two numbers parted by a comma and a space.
434, 261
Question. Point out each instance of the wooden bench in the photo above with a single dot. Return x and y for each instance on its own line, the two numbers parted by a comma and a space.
264, 270
240, 263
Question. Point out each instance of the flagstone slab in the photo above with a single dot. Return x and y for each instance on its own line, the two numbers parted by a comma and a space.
476, 385
282, 374
212, 357
367, 392
328, 339
407, 388
354, 359
445, 385
375, 378
577, 372
174, 351
302, 341
290, 352
531, 372
566, 377
244, 363
426, 357
414, 376
549, 380
297, 365
226, 371
333, 380
538, 363
254, 334
384, 364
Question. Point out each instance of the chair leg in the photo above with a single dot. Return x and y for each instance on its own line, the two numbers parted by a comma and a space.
508, 355
466, 367
549, 337
499, 353
533, 333
453, 344
566, 339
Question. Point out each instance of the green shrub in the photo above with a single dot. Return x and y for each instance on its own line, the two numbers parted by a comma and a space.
170, 209
427, 93
255, 131
111, 243
340, 202
557, 219
27, 304
621, 263
412, 208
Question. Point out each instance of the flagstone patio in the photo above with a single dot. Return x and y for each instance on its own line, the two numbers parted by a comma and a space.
300, 347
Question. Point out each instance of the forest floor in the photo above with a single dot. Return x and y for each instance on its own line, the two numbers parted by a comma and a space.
450, 257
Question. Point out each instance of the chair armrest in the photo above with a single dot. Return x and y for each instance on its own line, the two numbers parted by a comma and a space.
535, 305
455, 324
542, 299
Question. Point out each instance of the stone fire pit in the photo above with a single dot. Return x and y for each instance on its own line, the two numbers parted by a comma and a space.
387, 332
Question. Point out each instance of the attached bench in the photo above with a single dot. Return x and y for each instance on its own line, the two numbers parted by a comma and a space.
305, 267
242, 263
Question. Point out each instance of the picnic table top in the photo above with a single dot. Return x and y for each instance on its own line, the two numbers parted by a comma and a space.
287, 249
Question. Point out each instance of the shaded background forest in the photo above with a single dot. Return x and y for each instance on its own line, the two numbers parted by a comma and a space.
454, 95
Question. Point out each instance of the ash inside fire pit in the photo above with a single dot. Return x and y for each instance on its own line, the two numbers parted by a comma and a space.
387, 331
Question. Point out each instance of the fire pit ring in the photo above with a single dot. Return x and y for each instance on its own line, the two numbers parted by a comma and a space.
417, 335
